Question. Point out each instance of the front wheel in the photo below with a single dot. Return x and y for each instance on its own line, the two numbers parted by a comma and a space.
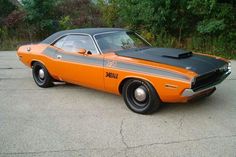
41, 76
140, 96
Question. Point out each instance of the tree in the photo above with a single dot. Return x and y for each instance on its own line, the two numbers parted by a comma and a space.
6, 7
170, 16
110, 11
40, 15
78, 13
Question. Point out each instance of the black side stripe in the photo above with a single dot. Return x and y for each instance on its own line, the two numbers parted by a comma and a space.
150, 70
73, 57
119, 65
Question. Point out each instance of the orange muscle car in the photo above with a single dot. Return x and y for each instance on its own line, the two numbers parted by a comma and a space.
120, 61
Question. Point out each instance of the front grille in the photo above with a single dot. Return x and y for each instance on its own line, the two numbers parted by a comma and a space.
208, 79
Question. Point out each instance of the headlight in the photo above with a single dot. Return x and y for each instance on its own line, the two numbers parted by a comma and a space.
229, 66
224, 68
193, 81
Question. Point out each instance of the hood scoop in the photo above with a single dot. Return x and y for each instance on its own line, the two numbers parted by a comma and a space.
170, 53
178, 55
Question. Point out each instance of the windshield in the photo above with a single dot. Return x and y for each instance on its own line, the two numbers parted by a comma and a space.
119, 41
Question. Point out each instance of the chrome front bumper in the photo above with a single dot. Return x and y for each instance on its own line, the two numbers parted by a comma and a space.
190, 92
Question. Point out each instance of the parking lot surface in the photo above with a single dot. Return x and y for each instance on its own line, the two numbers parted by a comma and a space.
69, 120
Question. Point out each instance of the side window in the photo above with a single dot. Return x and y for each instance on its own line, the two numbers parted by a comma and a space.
72, 43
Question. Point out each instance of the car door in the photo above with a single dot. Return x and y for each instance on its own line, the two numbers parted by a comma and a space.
84, 69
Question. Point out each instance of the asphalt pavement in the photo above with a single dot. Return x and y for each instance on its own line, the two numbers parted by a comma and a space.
71, 121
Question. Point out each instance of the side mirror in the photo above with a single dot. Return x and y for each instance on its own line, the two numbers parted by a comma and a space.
82, 51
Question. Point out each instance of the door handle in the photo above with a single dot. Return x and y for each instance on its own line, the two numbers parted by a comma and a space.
59, 56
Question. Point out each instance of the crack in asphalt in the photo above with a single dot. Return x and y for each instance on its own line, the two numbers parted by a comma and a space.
181, 141
10, 68
53, 151
126, 149
181, 122
6, 68
22, 89
10, 78
122, 135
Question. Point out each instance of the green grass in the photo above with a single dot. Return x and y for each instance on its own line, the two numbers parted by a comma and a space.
13, 44
9, 45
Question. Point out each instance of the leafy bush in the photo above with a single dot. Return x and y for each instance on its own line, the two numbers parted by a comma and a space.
198, 25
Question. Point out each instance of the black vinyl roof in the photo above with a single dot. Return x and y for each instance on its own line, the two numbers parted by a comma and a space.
90, 31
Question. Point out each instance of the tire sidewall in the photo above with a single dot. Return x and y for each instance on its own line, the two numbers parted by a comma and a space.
153, 101
47, 82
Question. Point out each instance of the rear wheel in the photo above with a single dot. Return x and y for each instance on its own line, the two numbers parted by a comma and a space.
140, 96
41, 76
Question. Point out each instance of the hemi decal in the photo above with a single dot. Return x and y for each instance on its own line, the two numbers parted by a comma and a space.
112, 75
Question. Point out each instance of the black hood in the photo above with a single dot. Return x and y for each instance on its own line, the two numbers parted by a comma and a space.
175, 57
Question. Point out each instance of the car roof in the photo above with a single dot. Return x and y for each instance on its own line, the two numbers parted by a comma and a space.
89, 31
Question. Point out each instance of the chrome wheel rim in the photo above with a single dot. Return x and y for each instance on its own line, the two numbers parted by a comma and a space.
140, 94
41, 74
137, 95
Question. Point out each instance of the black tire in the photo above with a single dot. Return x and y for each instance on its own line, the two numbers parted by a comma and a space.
46, 80
151, 101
